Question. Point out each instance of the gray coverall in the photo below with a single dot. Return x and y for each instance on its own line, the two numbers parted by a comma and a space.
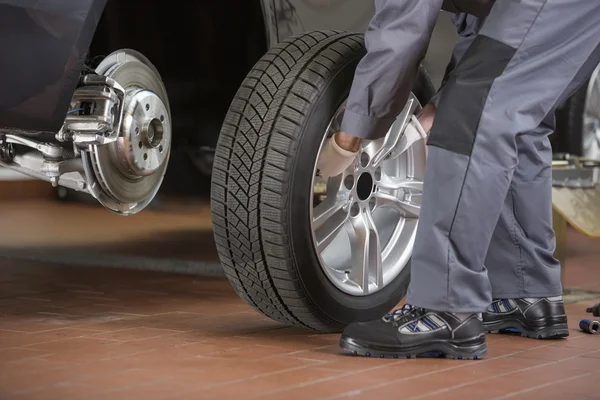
485, 228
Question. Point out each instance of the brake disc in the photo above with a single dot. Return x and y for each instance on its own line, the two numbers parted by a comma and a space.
130, 170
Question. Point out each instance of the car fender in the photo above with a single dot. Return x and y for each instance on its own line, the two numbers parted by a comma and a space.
43, 46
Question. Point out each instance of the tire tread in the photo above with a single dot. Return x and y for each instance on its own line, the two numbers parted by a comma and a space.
252, 171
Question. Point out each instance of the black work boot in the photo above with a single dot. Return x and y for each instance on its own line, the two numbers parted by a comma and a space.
538, 318
410, 332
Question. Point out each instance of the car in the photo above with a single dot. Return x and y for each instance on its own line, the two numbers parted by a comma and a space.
102, 96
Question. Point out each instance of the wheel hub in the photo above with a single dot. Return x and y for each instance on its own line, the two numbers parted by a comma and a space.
365, 186
145, 134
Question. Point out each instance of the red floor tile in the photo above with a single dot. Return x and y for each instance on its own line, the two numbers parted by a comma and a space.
73, 332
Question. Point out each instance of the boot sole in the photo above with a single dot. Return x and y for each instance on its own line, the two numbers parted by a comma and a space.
551, 331
474, 349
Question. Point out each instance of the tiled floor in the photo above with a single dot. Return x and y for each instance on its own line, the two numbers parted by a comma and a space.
71, 332
177, 230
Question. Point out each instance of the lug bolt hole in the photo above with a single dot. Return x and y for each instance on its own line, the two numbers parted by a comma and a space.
145, 156
147, 107
349, 182
160, 148
354, 210
162, 118
137, 130
364, 159
140, 144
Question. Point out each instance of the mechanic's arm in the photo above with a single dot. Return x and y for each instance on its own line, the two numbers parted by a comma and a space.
396, 42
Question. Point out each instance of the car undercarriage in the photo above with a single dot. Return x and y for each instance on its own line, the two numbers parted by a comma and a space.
115, 141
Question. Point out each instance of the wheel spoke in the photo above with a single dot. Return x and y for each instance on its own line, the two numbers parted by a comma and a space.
406, 208
324, 211
393, 142
410, 184
329, 218
366, 252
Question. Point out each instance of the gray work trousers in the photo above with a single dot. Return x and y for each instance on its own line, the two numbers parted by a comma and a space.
486, 220
485, 228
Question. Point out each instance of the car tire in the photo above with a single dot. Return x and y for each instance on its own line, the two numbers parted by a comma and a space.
573, 136
569, 123
261, 180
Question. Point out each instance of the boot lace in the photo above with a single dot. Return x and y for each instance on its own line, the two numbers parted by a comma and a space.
404, 313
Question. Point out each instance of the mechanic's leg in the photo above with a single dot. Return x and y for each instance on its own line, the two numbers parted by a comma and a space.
509, 80
524, 225
467, 27
521, 266
520, 259
524, 275
534, 153
477, 8
534, 157
493, 95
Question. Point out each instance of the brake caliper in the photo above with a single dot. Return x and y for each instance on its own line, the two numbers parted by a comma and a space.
95, 113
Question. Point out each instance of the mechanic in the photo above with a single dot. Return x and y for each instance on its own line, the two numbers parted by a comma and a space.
483, 255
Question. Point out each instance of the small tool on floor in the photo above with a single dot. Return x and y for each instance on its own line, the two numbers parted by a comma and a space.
594, 310
592, 327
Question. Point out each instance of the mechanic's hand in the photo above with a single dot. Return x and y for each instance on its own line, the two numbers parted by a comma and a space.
341, 149
334, 159
426, 117
414, 131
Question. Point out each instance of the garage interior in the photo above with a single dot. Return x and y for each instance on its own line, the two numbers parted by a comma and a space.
98, 306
